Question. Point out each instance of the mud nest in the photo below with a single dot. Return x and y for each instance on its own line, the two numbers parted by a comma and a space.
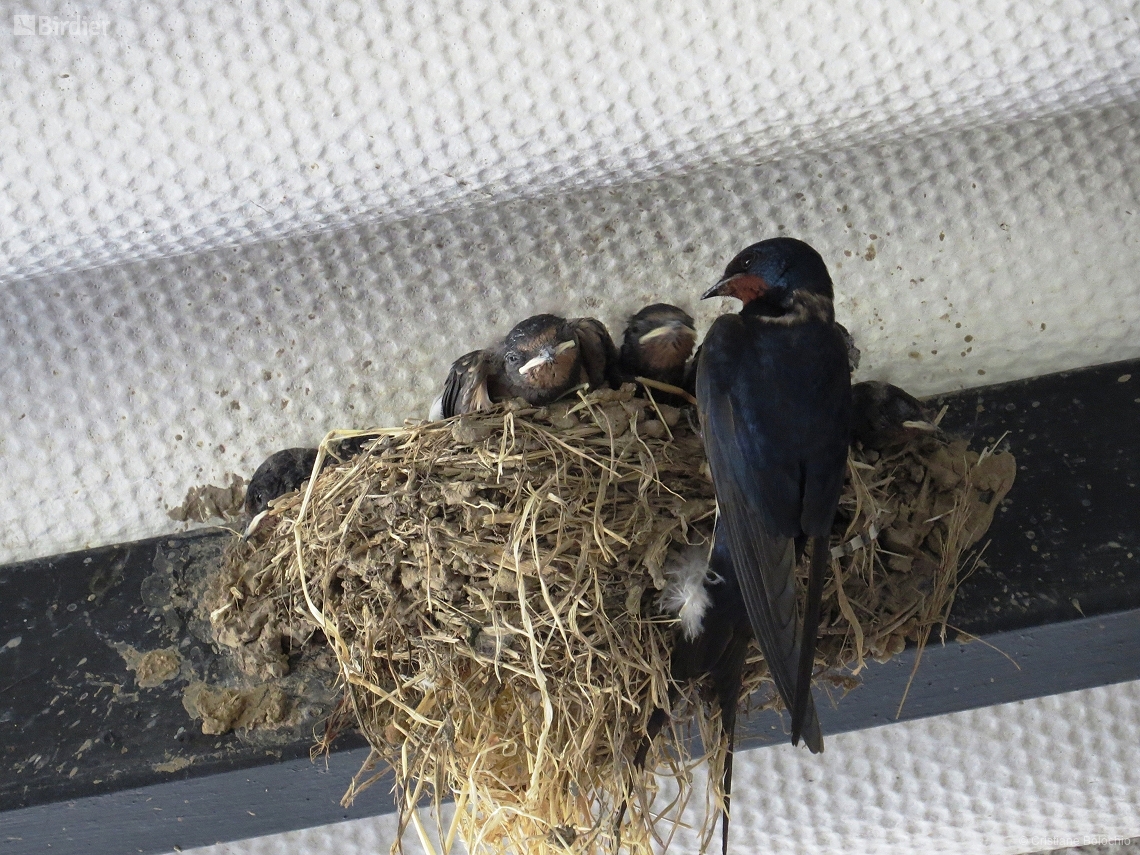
490, 584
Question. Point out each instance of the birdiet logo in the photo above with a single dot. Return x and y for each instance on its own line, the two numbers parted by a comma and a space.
77, 26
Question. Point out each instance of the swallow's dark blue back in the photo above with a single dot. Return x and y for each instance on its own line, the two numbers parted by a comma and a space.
782, 398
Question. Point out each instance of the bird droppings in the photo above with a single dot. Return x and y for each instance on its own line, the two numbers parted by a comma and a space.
152, 668
222, 709
175, 764
211, 502
1123, 378
488, 586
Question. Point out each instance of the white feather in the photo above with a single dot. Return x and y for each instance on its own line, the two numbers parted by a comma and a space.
436, 412
685, 595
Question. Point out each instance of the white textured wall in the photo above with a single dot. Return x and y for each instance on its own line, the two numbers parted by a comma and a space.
191, 125
227, 228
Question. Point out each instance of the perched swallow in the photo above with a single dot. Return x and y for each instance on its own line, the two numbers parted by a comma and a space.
774, 397
883, 415
657, 344
281, 473
717, 654
540, 360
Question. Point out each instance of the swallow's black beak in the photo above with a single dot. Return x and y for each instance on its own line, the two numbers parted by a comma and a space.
723, 288
745, 287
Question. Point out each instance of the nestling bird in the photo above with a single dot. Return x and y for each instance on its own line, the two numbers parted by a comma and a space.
774, 397
599, 354
883, 415
281, 473
657, 344
286, 470
540, 360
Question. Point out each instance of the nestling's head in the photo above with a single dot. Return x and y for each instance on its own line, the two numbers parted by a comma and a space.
540, 353
658, 340
280, 473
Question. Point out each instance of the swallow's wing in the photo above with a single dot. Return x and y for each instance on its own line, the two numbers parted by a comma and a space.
718, 652
598, 352
853, 352
466, 387
759, 494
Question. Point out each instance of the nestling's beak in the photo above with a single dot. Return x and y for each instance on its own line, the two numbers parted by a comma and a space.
253, 524
548, 355
665, 329
925, 427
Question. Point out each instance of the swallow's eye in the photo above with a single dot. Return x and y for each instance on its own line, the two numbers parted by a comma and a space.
512, 358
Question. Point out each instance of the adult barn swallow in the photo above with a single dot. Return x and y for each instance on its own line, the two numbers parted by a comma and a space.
657, 344
281, 473
773, 393
883, 415
540, 360
774, 397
